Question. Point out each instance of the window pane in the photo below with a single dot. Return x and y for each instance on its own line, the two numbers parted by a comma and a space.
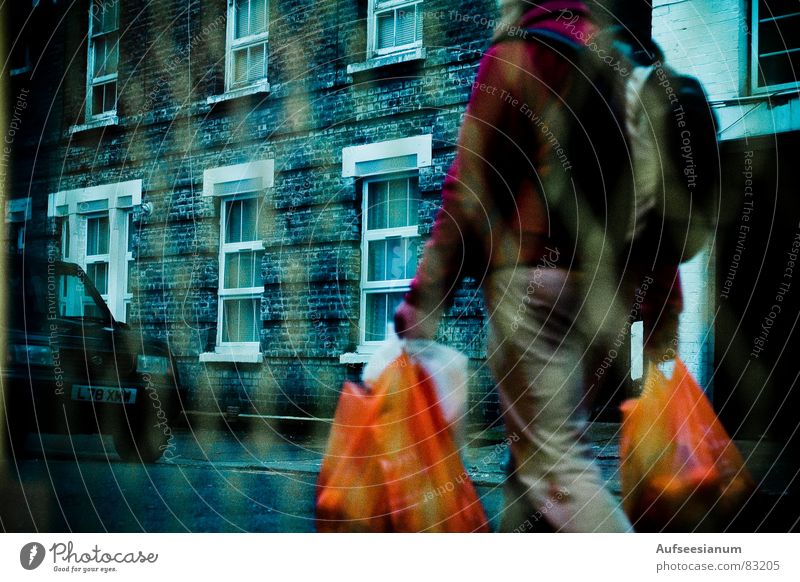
257, 62
398, 203
406, 26
779, 35
129, 277
258, 16
242, 16
376, 270
111, 15
97, 235
99, 56
233, 221
110, 98
377, 193
130, 232
98, 274
97, 17
112, 54
380, 309
250, 18
392, 259
97, 99
395, 259
778, 69
412, 256
240, 320
384, 30
65, 238
240, 66
243, 270
105, 16
241, 220
413, 201
104, 97
772, 8
376, 317
250, 219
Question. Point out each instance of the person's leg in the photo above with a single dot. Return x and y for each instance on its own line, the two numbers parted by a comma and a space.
536, 353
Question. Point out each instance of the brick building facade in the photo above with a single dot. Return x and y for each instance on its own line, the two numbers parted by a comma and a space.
251, 180
208, 164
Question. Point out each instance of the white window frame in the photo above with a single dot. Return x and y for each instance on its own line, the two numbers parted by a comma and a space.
74, 207
18, 211
381, 160
232, 44
754, 57
378, 7
127, 294
238, 292
259, 176
368, 287
91, 80
100, 258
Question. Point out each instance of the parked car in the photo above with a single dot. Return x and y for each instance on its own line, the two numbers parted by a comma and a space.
71, 368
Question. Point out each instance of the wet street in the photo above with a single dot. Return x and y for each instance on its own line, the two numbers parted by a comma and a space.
261, 478
210, 481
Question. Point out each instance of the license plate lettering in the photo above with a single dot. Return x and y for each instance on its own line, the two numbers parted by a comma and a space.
104, 394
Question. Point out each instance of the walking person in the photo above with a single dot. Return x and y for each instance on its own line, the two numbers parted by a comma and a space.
496, 226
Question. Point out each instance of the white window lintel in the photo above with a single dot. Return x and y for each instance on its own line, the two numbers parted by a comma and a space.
119, 195
421, 146
263, 169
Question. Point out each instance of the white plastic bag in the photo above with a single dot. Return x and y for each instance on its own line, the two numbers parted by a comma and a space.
446, 367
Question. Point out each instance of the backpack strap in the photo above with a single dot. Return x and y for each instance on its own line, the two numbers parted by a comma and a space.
552, 40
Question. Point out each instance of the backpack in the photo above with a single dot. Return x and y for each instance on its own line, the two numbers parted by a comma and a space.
644, 161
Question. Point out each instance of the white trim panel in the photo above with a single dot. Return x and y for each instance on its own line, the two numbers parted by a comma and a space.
419, 146
120, 195
263, 169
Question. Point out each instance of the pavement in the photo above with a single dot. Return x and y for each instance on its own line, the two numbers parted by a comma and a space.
258, 474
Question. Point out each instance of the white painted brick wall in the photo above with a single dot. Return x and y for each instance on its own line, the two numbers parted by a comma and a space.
704, 38
696, 342
710, 39
707, 39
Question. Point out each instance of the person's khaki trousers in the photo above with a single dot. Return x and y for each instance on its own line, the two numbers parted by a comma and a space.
536, 352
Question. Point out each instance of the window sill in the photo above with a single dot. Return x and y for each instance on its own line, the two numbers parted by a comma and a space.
357, 357
94, 124
240, 357
237, 93
417, 54
768, 95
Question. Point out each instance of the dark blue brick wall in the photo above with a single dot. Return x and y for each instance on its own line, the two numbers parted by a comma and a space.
171, 61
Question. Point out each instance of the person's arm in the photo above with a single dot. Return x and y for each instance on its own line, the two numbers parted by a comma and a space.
457, 246
661, 308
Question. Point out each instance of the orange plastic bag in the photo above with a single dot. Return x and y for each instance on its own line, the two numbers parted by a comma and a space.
391, 463
679, 468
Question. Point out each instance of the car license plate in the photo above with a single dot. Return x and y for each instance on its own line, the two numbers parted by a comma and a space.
105, 394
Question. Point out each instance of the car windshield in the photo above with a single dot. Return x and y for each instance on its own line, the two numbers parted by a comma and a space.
46, 294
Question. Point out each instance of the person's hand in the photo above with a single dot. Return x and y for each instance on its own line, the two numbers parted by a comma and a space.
411, 323
662, 344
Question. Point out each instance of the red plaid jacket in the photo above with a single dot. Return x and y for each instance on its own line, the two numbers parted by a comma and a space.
492, 214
